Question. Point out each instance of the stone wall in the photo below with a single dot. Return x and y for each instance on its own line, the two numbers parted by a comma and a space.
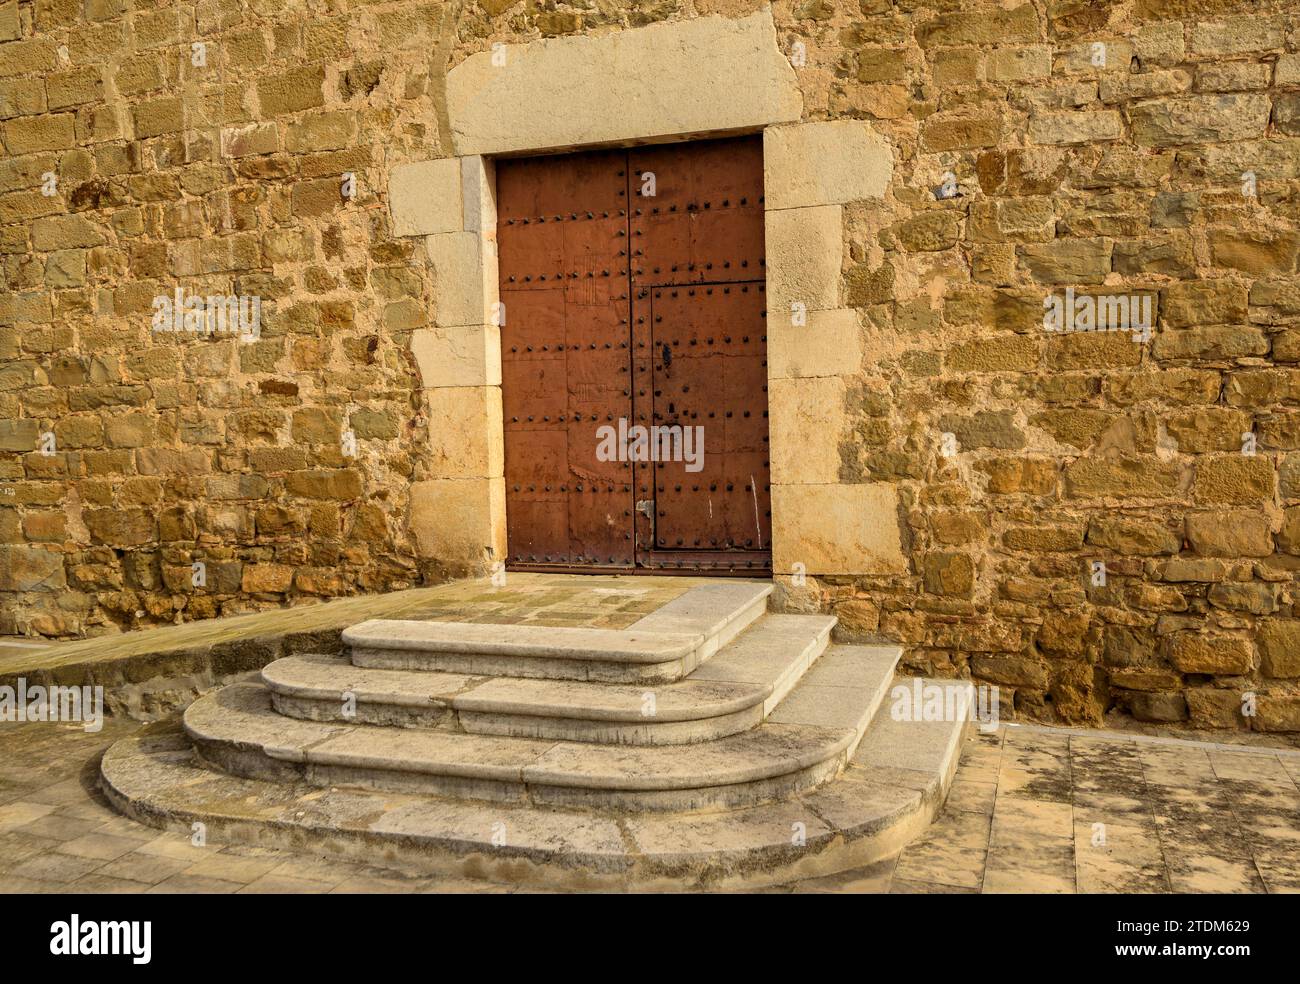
1093, 521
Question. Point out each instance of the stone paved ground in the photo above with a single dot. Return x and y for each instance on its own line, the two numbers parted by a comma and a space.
1023, 816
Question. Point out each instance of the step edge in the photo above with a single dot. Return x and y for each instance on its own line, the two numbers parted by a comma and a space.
796, 671
833, 743
671, 646
761, 858
748, 696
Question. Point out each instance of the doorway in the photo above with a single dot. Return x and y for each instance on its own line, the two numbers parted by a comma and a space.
633, 356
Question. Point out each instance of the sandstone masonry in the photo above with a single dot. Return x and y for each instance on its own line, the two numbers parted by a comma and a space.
262, 149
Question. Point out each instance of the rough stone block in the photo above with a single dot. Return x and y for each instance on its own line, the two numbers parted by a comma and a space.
1235, 478
35, 133
24, 568
1191, 652
1199, 119
1075, 128
1279, 647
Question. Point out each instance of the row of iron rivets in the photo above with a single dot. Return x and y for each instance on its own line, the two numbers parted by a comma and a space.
663, 542
693, 415
726, 340
707, 266
694, 206
577, 418
712, 488
528, 279
574, 348
662, 367
690, 292
567, 559
560, 218
747, 487
664, 565
576, 488
575, 274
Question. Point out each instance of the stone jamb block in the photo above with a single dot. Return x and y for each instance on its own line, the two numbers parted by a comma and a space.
461, 522
466, 432
829, 344
465, 278
806, 418
837, 529
458, 355
829, 163
426, 198
805, 255
478, 182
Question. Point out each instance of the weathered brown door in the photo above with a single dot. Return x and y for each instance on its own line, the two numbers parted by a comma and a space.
633, 290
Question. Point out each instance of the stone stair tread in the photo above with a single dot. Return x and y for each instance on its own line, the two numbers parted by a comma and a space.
763, 650
319, 677
322, 677
765, 751
706, 610
241, 715
869, 812
681, 700
759, 665
530, 641
830, 693
926, 746
775, 652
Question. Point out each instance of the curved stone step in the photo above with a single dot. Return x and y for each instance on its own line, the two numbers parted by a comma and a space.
314, 688
665, 645
237, 730
742, 683
807, 740
890, 792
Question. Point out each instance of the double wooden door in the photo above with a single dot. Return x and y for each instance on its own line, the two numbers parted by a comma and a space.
634, 365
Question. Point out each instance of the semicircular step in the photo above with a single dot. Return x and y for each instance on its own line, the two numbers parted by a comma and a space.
806, 740
892, 788
665, 645
731, 693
